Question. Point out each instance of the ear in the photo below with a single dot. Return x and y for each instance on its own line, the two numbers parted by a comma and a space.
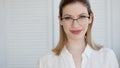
60, 22
91, 18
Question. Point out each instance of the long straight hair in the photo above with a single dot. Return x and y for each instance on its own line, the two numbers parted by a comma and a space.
63, 38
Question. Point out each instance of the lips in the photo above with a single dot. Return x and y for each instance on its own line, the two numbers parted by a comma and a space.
75, 31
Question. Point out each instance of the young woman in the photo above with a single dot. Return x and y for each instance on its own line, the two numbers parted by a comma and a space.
76, 48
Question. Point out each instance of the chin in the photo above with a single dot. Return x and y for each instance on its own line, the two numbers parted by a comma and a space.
77, 37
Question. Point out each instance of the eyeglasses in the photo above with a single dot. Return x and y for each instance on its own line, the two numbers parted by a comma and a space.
70, 20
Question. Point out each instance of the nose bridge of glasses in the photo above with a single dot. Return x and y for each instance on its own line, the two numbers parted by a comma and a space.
75, 20
75, 23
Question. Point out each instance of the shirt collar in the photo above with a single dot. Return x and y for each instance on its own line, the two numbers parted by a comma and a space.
87, 52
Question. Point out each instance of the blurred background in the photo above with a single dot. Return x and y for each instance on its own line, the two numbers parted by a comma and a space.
30, 29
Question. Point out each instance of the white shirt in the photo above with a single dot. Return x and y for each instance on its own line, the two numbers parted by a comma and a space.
104, 58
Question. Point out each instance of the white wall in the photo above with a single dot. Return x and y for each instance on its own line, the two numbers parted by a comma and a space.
116, 26
2, 36
26, 32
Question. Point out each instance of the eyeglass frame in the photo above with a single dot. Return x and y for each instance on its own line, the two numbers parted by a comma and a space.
78, 19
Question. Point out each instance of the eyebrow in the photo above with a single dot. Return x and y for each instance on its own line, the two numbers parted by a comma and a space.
78, 15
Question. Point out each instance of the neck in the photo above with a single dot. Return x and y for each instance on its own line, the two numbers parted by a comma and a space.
76, 46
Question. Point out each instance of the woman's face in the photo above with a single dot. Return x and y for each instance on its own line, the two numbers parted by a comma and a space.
75, 20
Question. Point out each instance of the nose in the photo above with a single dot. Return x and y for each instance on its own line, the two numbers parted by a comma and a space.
75, 24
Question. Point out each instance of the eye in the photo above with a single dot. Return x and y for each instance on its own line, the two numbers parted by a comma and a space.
67, 18
83, 16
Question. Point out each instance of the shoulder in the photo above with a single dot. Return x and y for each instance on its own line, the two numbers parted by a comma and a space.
108, 56
104, 54
106, 51
47, 57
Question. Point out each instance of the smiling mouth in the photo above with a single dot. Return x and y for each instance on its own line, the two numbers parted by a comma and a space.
75, 31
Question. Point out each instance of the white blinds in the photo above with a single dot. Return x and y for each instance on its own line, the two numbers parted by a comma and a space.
100, 26
27, 31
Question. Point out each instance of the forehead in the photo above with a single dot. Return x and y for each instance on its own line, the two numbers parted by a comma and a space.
76, 8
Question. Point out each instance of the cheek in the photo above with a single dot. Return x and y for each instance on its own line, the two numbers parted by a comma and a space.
66, 28
85, 27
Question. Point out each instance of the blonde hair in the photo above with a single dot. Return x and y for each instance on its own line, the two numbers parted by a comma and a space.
63, 38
